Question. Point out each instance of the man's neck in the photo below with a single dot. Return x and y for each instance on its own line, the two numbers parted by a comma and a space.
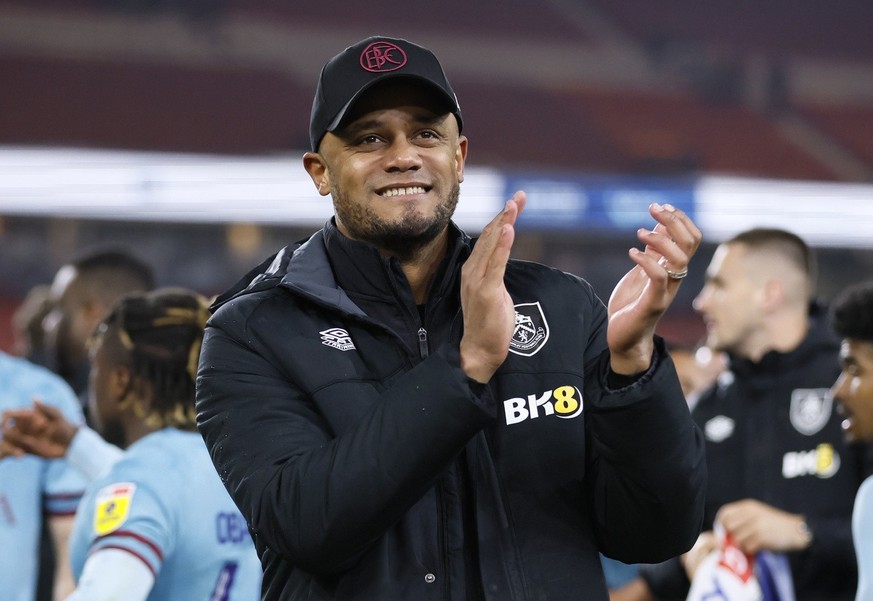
784, 335
420, 270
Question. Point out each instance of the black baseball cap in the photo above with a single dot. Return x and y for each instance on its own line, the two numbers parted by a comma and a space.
359, 67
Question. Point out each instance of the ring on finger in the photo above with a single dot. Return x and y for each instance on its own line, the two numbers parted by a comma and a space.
676, 275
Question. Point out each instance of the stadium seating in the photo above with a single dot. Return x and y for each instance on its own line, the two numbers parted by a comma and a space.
850, 125
778, 28
677, 119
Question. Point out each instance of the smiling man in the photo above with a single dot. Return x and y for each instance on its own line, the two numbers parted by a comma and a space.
402, 209
402, 412
852, 319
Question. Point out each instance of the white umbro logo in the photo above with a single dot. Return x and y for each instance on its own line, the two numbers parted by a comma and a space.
337, 338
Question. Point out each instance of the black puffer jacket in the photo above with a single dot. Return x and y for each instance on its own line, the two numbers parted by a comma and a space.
369, 467
773, 434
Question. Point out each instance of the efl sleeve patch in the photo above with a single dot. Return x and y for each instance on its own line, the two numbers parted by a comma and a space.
113, 507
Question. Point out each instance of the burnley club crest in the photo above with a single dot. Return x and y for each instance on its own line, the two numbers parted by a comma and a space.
531, 329
810, 409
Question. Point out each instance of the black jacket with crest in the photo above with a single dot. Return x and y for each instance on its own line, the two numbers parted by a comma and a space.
773, 434
369, 467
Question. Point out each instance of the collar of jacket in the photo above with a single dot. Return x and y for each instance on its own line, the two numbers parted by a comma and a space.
306, 267
363, 272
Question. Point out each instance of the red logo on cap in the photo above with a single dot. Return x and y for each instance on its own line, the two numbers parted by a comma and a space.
380, 57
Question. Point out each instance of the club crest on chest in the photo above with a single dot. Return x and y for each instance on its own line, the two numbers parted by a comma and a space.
810, 409
531, 329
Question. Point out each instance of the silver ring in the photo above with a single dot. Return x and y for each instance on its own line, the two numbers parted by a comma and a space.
676, 275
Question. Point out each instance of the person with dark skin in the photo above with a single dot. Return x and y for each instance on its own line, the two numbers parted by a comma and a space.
156, 522
81, 294
402, 412
39, 430
852, 320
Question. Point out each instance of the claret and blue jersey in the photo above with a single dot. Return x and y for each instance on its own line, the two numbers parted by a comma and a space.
165, 504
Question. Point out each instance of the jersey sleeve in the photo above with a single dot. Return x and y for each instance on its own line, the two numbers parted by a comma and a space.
130, 516
92, 455
113, 575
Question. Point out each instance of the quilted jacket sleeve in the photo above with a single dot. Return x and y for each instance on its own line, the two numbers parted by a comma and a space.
648, 464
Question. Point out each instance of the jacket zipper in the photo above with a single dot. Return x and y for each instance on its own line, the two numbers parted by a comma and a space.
422, 343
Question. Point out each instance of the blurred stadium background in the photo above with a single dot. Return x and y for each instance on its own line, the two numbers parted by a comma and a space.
175, 127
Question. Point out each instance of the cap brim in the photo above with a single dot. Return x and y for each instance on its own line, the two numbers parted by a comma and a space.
451, 104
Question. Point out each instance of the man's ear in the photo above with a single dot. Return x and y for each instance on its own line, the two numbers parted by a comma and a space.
120, 381
773, 293
461, 157
317, 170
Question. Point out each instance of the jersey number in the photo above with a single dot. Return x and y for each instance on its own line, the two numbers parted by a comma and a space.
221, 592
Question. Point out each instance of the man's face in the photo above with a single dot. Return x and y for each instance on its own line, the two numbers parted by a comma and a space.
107, 385
70, 321
853, 389
393, 169
731, 300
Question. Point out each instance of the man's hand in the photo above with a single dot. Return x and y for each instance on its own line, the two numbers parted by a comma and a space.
42, 431
489, 313
646, 291
756, 526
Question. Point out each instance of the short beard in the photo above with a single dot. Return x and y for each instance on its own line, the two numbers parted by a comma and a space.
403, 239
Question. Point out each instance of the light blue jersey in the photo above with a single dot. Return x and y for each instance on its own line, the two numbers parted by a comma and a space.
164, 503
31, 487
862, 534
